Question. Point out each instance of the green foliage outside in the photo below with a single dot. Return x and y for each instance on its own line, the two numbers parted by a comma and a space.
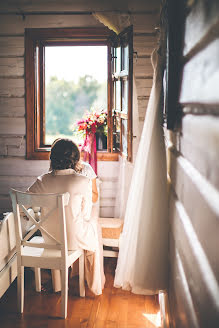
66, 102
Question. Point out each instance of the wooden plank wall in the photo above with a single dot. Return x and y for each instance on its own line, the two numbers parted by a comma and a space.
194, 177
15, 170
145, 41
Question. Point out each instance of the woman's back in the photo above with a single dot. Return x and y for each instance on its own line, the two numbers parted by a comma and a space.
78, 210
70, 175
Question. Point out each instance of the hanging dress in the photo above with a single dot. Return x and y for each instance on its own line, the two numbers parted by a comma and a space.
142, 262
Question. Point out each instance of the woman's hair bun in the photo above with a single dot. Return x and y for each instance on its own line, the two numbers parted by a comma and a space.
64, 155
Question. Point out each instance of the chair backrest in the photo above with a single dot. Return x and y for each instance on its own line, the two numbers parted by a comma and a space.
22, 201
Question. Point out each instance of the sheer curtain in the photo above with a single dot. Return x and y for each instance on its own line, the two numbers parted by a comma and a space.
142, 262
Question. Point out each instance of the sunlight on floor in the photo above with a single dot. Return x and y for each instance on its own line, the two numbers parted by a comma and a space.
154, 318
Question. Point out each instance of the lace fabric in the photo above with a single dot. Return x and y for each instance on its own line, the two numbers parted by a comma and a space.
88, 171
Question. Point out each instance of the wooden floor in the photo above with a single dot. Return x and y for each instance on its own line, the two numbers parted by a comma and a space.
113, 309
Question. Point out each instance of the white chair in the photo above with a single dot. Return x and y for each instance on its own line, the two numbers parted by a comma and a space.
38, 254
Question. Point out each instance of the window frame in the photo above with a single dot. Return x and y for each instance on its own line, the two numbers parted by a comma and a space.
34, 83
124, 39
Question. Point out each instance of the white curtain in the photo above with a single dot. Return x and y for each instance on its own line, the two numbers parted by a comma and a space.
142, 262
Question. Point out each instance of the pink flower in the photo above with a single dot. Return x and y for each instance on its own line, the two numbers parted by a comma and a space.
91, 121
80, 121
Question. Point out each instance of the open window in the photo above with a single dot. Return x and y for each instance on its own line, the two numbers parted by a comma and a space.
39, 42
122, 70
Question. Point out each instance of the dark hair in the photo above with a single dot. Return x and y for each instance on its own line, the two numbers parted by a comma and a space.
65, 155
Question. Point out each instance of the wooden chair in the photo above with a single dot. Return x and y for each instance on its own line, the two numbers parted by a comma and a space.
38, 254
111, 230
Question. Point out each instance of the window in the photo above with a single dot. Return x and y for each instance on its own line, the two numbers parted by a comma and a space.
75, 83
38, 42
122, 66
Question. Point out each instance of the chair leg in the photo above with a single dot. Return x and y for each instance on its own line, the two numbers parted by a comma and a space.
81, 275
37, 279
64, 292
56, 280
20, 288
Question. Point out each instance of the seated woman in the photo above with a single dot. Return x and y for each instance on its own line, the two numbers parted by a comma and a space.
68, 174
85, 169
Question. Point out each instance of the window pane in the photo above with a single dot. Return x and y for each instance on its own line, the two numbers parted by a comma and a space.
125, 96
75, 82
118, 95
116, 133
124, 129
113, 62
118, 59
125, 58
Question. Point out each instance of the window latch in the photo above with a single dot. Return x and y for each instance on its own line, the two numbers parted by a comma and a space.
135, 55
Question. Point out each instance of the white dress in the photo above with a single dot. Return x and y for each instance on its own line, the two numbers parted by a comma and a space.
142, 265
88, 172
82, 230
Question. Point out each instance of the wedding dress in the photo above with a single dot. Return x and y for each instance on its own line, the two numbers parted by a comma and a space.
142, 262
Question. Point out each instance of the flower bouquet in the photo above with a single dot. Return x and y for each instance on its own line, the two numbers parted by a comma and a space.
93, 129
92, 122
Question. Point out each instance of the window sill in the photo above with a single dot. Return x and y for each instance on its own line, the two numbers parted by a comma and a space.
106, 156
101, 155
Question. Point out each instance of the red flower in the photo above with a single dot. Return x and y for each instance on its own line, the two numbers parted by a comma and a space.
82, 127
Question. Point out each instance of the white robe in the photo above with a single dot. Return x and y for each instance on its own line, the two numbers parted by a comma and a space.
82, 229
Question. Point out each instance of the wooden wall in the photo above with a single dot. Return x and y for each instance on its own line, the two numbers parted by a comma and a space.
194, 177
15, 170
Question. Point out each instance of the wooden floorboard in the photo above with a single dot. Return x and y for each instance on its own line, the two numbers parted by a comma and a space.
115, 308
